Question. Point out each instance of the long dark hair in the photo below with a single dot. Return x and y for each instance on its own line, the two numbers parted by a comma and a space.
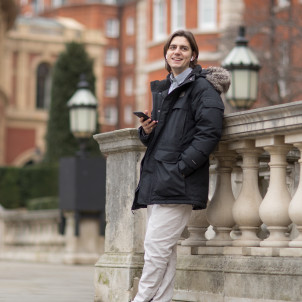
191, 39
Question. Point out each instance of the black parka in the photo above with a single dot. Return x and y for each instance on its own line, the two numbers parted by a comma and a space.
175, 168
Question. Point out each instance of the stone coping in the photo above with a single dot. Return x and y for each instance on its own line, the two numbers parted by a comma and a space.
272, 120
122, 140
260, 122
24, 215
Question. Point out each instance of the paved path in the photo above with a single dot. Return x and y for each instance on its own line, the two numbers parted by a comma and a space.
35, 282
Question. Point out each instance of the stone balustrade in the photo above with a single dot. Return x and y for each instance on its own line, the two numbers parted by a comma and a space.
254, 248
31, 235
34, 236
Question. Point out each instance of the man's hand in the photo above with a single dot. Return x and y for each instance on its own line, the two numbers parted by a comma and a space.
148, 125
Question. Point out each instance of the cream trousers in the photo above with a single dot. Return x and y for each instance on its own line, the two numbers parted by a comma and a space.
164, 228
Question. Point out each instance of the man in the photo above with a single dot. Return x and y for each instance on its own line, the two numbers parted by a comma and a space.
184, 128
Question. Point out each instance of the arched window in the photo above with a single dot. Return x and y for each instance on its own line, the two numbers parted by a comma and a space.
43, 86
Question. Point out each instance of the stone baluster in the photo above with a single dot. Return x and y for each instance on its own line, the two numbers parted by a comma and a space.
295, 206
274, 207
219, 210
246, 206
122, 261
197, 226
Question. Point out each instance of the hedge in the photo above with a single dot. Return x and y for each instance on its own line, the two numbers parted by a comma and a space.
19, 185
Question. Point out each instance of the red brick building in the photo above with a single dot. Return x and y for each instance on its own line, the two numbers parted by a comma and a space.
135, 32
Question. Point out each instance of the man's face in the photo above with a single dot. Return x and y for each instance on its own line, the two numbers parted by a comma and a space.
179, 55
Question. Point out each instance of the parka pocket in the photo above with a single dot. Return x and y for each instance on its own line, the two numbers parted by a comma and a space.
179, 116
168, 180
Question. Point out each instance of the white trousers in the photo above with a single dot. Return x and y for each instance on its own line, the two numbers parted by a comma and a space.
164, 228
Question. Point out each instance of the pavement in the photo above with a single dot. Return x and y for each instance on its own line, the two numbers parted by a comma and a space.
37, 282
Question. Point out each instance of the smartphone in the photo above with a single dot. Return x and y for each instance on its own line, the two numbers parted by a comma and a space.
142, 114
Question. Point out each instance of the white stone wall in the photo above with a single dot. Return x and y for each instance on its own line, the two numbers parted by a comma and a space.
34, 236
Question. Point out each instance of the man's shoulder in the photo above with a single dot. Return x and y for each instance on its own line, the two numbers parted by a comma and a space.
160, 85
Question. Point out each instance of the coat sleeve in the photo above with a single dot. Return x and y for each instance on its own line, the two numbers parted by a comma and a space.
208, 108
145, 138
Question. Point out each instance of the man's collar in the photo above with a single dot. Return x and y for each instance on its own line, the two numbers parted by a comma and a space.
181, 77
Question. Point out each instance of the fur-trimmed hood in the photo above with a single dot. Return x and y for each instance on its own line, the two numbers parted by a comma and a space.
219, 77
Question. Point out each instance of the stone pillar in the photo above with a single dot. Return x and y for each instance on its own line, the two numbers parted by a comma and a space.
122, 260
246, 207
274, 207
295, 206
197, 227
219, 210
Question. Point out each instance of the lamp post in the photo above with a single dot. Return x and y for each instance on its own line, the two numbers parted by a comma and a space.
244, 67
82, 113
81, 178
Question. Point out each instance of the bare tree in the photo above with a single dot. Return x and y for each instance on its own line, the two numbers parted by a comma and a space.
275, 35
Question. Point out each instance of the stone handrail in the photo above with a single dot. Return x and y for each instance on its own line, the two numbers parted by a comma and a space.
31, 235
34, 236
245, 224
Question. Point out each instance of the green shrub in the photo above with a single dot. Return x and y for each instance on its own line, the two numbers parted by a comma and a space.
18, 185
10, 194
71, 63
43, 203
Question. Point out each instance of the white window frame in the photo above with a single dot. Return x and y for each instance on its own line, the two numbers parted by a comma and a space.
207, 9
112, 28
178, 14
111, 57
283, 3
57, 3
129, 55
128, 88
109, 1
39, 6
130, 26
128, 115
110, 115
111, 87
159, 19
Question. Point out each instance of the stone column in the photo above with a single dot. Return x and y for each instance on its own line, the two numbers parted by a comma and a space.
197, 227
274, 207
246, 207
124, 235
219, 210
295, 206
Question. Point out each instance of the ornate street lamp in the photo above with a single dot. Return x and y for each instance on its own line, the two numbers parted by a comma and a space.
82, 113
244, 67
82, 179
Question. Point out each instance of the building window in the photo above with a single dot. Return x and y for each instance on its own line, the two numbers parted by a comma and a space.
129, 86
128, 115
43, 86
129, 55
57, 3
159, 19
38, 6
283, 3
111, 87
111, 58
112, 28
130, 26
110, 115
109, 1
178, 14
207, 14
